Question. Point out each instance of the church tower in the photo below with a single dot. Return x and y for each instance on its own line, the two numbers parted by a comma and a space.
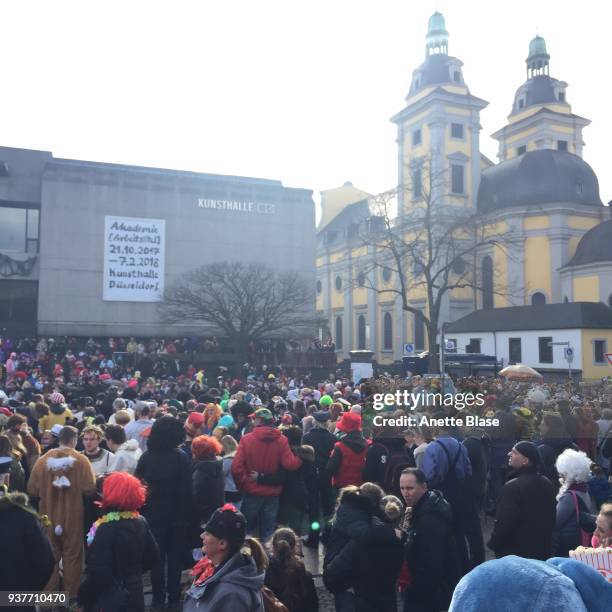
438, 131
541, 117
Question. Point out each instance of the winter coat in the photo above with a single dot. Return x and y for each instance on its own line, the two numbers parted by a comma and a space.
550, 449
119, 554
265, 450
126, 457
207, 491
323, 443
58, 415
435, 462
234, 587
431, 554
419, 454
525, 516
353, 520
345, 466
566, 534
478, 449
300, 485
370, 569
27, 561
168, 476
296, 589
230, 485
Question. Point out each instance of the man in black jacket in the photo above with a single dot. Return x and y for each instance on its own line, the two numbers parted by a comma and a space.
323, 441
526, 508
430, 548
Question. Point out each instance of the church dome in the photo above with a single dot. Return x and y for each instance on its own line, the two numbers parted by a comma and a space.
595, 246
541, 89
537, 46
436, 24
538, 177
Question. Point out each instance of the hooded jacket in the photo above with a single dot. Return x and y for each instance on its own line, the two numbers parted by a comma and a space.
345, 466
27, 560
126, 457
265, 451
58, 415
431, 554
234, 587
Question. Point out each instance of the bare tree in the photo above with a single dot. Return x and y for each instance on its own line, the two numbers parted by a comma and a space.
432, 246
243, 302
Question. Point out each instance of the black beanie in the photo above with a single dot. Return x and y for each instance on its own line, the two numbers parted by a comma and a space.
529, 450
227, 523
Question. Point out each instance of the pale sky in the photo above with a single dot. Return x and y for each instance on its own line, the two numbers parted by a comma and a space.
299, 91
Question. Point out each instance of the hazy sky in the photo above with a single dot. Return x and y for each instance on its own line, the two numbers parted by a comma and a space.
300, 91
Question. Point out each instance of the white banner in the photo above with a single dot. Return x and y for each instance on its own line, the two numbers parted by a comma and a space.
134, 255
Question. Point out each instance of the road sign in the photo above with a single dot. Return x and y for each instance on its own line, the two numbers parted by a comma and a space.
568, 351
408, 349
609, 356
450, 345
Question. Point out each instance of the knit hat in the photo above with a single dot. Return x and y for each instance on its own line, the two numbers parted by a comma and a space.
193, 424
348, 422
529, 450
262, 413
56, 398
326, 401
321, 416
227, 524
226, 421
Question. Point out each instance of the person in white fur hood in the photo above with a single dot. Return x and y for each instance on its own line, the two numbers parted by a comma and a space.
126, 452
575, 520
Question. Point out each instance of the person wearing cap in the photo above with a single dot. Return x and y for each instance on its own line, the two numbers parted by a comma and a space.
345, 466
261, 454
226, 579
27, 560
58, 414
193, 428
526, 508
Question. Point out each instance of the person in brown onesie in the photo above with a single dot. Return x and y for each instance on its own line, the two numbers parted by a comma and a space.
60, 479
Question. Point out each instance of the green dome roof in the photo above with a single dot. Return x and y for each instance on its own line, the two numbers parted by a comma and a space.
537, 46
436, 24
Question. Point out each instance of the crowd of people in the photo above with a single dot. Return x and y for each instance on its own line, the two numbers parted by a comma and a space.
130, 473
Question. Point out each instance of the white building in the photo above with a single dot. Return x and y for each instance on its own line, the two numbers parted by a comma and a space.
533, 335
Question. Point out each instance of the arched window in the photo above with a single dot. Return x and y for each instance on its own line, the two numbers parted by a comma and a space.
387, 332
339, 332
319, 287
361, 332
538, 298
387, 274
487, 282
338, 283
361, 278
566, 299
419, 331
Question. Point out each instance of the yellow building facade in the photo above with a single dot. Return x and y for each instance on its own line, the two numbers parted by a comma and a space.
541, 194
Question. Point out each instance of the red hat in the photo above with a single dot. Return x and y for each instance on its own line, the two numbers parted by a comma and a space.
193, 424
350, 421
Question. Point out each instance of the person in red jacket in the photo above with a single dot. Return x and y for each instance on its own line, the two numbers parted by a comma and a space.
345, 466
257, 468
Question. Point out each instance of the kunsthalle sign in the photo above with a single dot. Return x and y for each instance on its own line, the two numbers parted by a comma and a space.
134, 255
246, 206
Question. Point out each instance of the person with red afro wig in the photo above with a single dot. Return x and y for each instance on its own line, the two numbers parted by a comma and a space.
122, 491
207, 483
205, 447
121, 547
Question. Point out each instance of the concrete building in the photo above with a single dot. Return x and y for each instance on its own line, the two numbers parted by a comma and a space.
87, 248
